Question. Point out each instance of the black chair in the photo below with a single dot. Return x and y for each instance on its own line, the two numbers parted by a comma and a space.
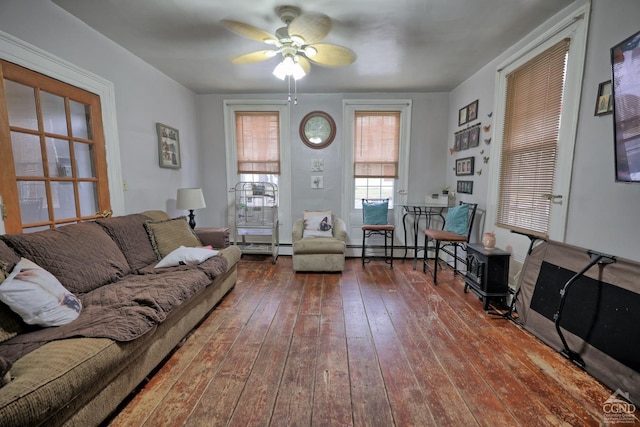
375, 222
455, 233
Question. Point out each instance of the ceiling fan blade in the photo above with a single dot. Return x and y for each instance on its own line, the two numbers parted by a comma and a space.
304, 63
249, 58
332, 55
246, 30
312, 27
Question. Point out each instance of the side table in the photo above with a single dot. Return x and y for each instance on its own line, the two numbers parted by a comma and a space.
487, 272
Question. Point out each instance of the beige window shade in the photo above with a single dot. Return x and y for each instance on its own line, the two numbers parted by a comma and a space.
530, 141
377, 141
258, 142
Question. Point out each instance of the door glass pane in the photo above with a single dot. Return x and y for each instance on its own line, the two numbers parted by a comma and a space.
85, 162
80, 120
88, 198
59, 157
64, 205
21, 104
27, 157
53, 113
32, 196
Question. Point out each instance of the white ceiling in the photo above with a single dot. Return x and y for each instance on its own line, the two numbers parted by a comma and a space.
402, 45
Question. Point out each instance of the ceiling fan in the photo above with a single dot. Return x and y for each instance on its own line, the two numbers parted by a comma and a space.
297, 42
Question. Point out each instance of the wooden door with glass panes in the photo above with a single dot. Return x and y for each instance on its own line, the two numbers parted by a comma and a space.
53, 170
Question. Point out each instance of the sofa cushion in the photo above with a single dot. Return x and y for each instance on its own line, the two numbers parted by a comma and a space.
38, 297
131, 236
82, 256
171, 234
319, 246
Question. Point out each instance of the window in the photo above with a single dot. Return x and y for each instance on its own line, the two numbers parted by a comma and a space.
376, 144
534, 101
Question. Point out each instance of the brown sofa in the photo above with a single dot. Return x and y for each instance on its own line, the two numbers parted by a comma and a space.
132, 317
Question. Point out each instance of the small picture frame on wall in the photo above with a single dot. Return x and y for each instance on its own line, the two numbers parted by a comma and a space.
168, 147
472, 111
474, 136
457, 141
464, 140
464, 166
462, 116
604, 101
465, 187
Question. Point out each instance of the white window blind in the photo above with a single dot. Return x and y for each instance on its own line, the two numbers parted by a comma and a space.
530, 141
258, 142
377, 141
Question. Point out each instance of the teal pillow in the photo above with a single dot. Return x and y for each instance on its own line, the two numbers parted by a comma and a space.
457, 220
375, 213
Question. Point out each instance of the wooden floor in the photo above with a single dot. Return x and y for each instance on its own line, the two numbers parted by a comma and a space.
368, 347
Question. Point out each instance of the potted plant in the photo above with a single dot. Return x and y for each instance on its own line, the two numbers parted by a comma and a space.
444, 189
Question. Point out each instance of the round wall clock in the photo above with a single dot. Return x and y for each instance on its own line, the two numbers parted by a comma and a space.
317, 129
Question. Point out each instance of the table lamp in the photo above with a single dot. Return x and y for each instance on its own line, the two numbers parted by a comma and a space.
190, 199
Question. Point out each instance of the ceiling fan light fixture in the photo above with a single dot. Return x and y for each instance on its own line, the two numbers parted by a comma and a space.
289, 67
297, 40
310, 51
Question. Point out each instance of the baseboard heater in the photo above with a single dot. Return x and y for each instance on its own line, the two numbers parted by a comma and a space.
586, 305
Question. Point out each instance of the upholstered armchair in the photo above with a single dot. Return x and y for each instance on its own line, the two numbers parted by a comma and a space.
319, 253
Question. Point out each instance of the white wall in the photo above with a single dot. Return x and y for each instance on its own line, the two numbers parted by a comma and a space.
144, 96
602, 214
426, 169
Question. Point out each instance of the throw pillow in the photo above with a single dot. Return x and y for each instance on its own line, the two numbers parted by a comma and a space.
375, 213
457, 220
131, 236
184, 255
38, 297
5, 373
318, 224
171, 234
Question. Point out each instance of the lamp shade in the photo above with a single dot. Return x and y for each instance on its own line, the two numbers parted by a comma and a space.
190, 199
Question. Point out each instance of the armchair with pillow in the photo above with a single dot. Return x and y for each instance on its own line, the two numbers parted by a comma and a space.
319, 242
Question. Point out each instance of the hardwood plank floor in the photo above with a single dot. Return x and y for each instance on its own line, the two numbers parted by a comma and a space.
368, 347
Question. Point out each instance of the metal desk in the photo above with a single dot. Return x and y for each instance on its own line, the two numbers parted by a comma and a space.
417, 211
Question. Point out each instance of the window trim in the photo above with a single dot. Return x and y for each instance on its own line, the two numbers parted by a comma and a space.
573, 25
351, 216
284, 182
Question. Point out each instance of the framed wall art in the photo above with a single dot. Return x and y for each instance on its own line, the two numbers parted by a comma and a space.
465, 187
464, 166
464, 140
472, 111
474, 136
457, 140
604, 101
168, 146
462, 116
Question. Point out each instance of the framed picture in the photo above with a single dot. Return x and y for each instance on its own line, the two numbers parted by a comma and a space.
604, 101
464, 166
464, 140
168, 147
457, 140
462, 116
474, 136
472, 111
465, 187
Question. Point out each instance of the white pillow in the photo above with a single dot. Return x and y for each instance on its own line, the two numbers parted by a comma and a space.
38, 297
184, 255
318, 224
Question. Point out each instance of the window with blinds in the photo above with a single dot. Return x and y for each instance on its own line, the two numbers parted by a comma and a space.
534, 101
258, 142
377, 141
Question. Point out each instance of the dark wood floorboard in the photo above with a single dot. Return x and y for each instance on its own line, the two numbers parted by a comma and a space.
369, 347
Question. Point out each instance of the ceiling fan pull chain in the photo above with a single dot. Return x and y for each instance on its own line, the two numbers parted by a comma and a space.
289, 84
295, 92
